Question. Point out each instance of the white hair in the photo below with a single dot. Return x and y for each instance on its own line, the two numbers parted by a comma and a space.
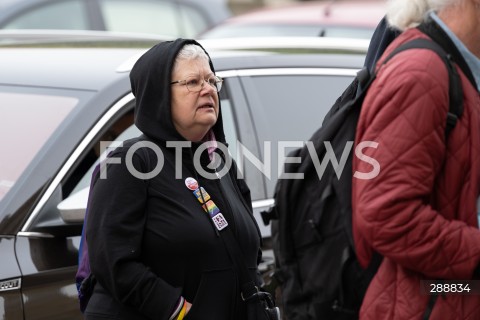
190, 52
404, 14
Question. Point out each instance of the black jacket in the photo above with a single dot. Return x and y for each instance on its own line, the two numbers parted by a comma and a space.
149, 240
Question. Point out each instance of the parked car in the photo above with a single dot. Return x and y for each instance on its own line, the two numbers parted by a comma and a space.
59, 99
169, 18
341, 18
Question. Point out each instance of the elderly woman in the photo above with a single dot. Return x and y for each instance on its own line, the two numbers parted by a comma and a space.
156, 242
420, 213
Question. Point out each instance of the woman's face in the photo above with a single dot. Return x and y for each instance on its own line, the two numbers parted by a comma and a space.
193, 113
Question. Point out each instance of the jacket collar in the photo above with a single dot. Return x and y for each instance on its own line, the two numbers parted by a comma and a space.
437, 34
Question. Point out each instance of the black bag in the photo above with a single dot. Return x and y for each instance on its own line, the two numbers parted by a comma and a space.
261, 306
316, 266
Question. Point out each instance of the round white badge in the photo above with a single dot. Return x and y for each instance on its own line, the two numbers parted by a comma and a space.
191, 183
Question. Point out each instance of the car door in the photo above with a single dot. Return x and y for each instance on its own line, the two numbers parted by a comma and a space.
47, 246
11, 305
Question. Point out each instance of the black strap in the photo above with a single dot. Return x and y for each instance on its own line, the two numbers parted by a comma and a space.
431, 303
247, 285
455, 91
269, 214
437, 34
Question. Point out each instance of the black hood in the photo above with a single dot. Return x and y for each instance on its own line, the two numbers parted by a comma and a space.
150, 80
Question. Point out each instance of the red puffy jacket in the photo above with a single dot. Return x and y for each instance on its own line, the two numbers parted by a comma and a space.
420, 212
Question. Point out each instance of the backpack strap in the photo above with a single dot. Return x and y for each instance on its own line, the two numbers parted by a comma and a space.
84, 278
438, 34
455, 91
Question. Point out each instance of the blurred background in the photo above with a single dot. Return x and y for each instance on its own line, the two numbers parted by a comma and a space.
200, 19
242, 6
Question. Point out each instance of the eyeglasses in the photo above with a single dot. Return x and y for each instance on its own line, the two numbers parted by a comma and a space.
196, 83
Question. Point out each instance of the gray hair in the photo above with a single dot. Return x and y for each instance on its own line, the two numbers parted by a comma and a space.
190, 52
404, 14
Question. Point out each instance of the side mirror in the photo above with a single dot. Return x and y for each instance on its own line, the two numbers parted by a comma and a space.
72, 209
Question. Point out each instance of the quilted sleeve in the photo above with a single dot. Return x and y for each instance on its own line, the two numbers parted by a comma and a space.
405, 113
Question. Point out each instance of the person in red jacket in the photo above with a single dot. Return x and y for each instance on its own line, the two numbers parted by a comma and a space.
420, 212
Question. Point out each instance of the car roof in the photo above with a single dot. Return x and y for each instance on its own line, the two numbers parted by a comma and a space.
349, 12
47, 58
97, 62
93, 67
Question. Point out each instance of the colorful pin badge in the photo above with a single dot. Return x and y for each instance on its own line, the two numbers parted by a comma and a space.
212, 208
191, 183
220, 221
205, 194
209, 206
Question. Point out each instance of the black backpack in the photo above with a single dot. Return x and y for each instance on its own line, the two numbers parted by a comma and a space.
316, 266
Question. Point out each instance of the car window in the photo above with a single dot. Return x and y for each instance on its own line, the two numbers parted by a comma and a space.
229, 126
68, 14
22, 120
119, 129
290, 109
193, 22
84, 182
159, 17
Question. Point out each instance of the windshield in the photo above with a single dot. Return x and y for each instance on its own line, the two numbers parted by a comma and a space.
26, 123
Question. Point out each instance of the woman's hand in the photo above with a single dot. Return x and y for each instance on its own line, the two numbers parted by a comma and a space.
188, 306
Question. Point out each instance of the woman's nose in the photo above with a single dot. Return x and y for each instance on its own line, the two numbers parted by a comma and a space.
207, 85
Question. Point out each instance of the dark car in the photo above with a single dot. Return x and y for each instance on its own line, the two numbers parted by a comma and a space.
59, 100
170, 18
339, 18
